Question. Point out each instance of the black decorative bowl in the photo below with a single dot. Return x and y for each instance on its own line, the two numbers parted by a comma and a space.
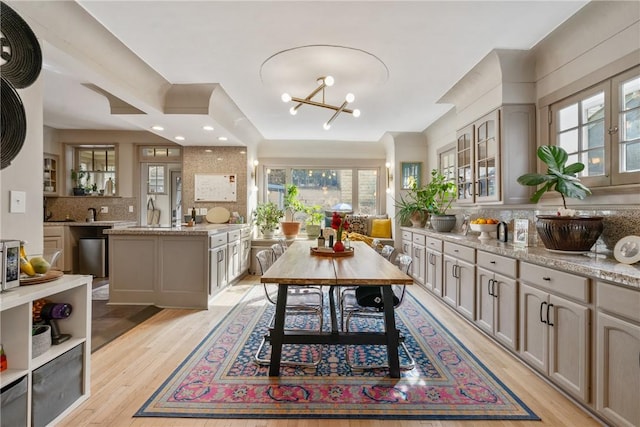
572, 234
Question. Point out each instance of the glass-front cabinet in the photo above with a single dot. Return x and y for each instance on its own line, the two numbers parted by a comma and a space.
487, 183
492, 152
50, 170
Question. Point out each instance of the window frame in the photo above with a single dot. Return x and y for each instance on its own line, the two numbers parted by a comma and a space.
362, 164
613, 176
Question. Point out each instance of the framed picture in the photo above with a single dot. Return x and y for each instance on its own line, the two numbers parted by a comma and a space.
411, 172
521, 232
464, 229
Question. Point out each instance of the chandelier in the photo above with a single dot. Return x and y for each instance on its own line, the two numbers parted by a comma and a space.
323, 82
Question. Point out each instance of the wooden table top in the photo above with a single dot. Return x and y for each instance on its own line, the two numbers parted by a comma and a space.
297, 266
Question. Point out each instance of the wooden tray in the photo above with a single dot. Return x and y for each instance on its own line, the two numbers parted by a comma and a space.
47, 277
347, 252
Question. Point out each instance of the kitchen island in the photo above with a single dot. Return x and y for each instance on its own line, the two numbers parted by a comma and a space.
178, 267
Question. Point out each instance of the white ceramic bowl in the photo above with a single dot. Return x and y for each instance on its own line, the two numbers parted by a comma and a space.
484, 228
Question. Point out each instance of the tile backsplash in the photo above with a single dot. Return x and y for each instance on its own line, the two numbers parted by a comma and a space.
77, 208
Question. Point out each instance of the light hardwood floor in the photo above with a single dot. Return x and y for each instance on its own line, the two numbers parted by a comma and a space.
125, 372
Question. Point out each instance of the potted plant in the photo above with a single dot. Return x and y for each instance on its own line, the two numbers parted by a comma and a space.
564, 231
76, 176
442, 193
290, 227
267, 217
413, 208
315, 216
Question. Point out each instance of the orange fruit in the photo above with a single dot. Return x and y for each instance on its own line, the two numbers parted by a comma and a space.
481, 221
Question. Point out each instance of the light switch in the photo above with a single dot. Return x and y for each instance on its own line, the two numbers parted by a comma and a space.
104, 209
130, 208
18, 202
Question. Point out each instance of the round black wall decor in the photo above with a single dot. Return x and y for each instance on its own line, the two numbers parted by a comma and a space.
20, 49
13, 123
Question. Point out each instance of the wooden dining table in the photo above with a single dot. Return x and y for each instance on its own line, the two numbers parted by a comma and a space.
298, 266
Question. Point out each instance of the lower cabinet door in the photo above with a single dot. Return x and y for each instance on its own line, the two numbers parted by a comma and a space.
450, 281
506, 311
533, 331
569, 346
618, 370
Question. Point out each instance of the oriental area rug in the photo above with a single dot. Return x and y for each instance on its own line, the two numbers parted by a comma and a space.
220, 379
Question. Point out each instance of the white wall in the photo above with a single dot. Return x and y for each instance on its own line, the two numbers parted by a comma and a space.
25, 174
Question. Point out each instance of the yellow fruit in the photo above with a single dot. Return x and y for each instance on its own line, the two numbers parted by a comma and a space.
481, 221
23, 252
26, 267
40, 265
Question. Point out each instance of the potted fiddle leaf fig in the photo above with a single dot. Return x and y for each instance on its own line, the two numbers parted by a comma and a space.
267, 217
291, 227
442, 194
564, 231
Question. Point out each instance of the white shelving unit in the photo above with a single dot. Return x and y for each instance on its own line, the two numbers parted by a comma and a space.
15, 332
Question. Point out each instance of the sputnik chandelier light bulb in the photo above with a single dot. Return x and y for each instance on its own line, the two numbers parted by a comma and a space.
323, 82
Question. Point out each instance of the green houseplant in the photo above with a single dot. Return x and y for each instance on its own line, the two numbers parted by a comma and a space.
266, 217
76, 176
442, 193
315, 216
290, 227
564, 231
413, 207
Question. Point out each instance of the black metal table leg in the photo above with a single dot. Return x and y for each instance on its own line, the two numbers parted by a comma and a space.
277, 333
393, 335
332, 309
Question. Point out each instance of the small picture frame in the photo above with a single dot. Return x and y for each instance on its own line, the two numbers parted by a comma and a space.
521, 232
464, 229
411, 172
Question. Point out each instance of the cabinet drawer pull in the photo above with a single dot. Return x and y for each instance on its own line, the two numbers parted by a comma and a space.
492, 262
490, 289
541, 306
549, 320
548, 279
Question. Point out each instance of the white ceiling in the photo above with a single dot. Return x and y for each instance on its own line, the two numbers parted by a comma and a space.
426, 47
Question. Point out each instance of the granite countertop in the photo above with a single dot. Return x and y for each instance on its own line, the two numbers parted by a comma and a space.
114, 223
196, 230
600, 266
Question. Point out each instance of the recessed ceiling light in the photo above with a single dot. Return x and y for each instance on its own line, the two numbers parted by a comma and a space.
179, 138
222, 138
156, 127
209, 128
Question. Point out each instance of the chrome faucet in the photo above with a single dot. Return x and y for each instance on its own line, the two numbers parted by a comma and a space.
92, 214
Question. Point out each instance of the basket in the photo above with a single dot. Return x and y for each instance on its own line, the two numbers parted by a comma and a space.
40, 340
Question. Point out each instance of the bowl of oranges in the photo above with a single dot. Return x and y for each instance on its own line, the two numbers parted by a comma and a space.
484, 226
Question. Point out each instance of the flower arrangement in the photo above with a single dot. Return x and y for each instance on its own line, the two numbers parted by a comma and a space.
340, 224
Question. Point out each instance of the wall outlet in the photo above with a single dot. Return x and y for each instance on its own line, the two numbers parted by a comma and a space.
104, 209
130, 208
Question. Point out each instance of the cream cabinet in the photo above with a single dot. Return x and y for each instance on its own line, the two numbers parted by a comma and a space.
458, 288
492, 152
618, 354
245, 249
554, 330
497, 297
433, 262
218, 264
418, 265
233, 255
55, 238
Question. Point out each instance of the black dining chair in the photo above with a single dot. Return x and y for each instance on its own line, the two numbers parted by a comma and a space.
301, 300
366, 302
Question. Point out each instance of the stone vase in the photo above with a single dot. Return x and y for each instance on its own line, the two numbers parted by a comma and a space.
290, 229
443, 223
569, 233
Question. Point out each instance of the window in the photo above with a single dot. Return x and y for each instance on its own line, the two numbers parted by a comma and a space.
345, 188
600, 127
156, 179
447, 162
99, 164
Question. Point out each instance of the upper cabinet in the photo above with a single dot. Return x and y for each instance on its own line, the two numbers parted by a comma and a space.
50, 171
492, 152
